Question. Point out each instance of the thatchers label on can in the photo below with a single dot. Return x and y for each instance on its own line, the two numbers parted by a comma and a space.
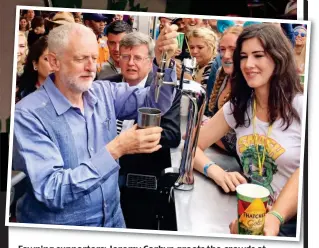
251, 216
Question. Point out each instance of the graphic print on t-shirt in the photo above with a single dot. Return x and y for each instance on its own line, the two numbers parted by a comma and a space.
249, 159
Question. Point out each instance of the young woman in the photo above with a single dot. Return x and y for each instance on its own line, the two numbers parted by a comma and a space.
222, 88
21, 58
36, 69
203, 46
22, 52
24, 26
265, 110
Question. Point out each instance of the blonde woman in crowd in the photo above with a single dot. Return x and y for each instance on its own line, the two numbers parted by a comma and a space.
203, 46
22, 52
21, 57
222, 87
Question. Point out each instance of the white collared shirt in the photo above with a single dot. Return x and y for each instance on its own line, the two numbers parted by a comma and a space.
140, 84
129, 123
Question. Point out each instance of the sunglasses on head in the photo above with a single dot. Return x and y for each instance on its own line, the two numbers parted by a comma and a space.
301, 34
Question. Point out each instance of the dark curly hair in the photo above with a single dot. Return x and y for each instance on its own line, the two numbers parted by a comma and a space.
284, 82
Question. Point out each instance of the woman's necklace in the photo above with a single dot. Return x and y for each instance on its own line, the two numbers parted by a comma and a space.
261, 160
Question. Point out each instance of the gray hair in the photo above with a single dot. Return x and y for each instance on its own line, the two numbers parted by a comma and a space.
59, 37
137, 39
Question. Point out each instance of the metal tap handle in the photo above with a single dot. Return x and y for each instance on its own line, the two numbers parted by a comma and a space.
159, 80
181, 81
163, 62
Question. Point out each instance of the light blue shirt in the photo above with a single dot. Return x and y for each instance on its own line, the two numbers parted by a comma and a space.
73, 178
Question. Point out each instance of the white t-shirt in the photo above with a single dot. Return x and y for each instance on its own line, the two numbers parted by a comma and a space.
282, 156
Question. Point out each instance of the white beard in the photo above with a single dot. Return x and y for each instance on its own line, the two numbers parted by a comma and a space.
74, 85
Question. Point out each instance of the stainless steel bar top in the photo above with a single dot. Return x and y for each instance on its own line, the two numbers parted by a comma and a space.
206, 209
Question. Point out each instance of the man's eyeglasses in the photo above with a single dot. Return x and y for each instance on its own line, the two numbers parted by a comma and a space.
136, 58
301, 34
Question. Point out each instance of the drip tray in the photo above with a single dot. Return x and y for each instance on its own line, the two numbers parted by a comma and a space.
139, 181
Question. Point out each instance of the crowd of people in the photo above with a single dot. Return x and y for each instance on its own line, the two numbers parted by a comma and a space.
69, 132
33, 27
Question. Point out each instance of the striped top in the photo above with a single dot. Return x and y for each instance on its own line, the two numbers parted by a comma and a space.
202, 74
119, 126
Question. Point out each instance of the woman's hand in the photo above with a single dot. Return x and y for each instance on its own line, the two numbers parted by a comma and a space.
227, 180
271, 226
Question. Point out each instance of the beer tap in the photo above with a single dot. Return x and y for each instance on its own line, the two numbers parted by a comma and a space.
159, 80
197, 96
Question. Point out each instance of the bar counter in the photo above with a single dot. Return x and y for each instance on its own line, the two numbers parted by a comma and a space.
206, 209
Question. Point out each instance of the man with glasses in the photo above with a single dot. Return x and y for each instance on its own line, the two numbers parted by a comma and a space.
136, 55
115, 33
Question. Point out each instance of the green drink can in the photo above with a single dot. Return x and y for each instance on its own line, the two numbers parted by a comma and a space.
180, 40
